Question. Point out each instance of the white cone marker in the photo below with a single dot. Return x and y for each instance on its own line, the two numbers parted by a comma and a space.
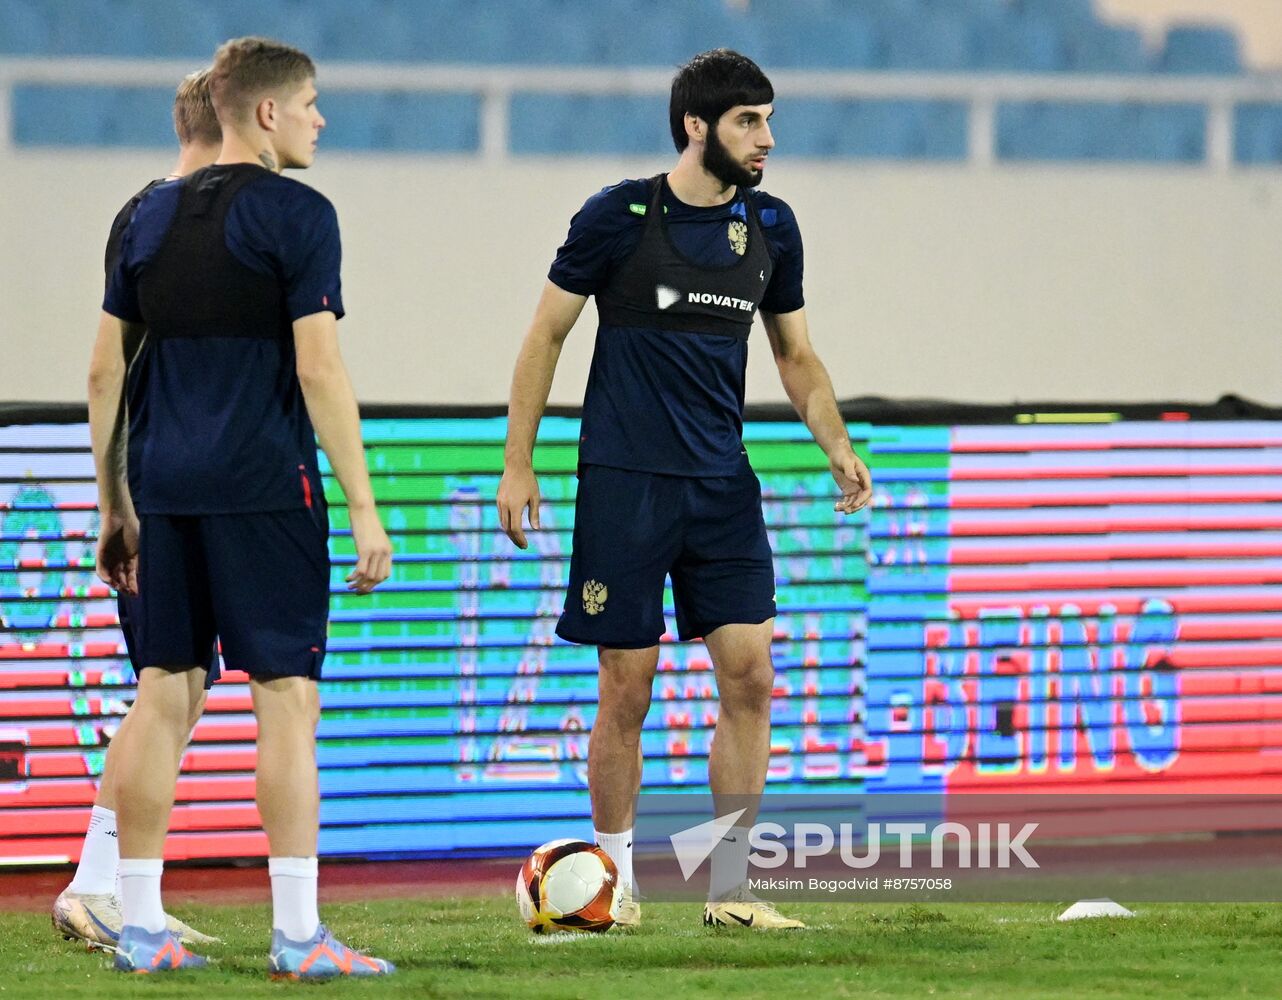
1085, 908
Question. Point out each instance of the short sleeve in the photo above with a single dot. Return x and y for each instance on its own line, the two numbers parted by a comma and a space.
784, 294
311, 257
121, 298
602, 234
146, 221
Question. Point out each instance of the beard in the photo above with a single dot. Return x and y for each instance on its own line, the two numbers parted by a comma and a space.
718, 162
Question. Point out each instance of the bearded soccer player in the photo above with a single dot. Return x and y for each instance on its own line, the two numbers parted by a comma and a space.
679, 265
89, 909
233, 273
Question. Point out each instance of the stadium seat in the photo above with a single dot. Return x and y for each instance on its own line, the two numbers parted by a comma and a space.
1068, 12
1071, 131
1106, 49
25, 28
594, 125
365, 31
847, 40
291, 21
872, 129
1200, 49
92, 116
1023, 45
937, 42
100, 27
394, 121
179, 28
1257, 133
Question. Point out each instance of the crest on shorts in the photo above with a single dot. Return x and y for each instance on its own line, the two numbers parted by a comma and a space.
594, 595
737, 233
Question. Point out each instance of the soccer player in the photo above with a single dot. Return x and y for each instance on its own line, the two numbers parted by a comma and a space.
89, 909
234, 274
679, 265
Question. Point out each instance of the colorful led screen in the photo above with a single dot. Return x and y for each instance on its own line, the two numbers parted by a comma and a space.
1026, 606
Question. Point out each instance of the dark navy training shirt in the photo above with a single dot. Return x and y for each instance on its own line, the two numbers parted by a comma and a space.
217, 405
694, 427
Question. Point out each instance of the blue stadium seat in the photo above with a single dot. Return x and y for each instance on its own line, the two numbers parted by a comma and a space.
591, 125
1257, 134
100, 27
1069, 12
25, 28
294, 22
824, 41
639, 35
890, 10
939, 42
1201, 49
872, 129
806, 127
365, 30
1020, 45
180, 28
1073, 131
550, 32
1107, 49
92, 116
391, 121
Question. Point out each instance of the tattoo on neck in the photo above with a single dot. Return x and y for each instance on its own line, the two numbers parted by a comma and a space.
267, 160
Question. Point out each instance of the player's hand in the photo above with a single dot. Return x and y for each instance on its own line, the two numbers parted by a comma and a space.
853, 479
518, 490
117, 556
373, 551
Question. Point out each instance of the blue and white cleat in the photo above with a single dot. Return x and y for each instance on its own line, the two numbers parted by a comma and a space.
93, 918
323, 957
141, 952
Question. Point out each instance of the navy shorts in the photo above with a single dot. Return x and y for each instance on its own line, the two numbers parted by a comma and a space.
633, 529
127, 606
258, 583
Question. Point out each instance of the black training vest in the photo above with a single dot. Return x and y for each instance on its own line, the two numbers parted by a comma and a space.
218, 423
222, 297
657, 288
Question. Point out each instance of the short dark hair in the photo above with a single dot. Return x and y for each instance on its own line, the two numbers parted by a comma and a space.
247, 69
711, 84
194, 117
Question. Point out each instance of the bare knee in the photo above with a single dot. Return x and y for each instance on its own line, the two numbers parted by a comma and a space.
197, 710
282, 703
164, 700
746, 687
624, 686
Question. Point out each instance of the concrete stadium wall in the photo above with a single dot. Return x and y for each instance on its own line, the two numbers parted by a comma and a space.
1028, 283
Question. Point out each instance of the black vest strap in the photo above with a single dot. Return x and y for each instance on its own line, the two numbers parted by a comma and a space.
658, 288
194, 286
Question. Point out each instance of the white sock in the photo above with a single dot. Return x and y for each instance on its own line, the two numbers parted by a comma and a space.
619, 847
729, 863
140, 893
294, 911
96, 873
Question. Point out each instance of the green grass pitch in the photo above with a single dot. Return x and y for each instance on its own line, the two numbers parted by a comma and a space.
477, 948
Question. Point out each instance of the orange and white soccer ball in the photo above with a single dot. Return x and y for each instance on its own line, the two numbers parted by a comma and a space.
568, 885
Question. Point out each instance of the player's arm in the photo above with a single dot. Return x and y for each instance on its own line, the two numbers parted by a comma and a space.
331, 404
806, 381
554, 317
117, 557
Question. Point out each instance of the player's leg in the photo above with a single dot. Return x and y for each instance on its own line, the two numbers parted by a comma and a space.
88, 909
741, 742
624, 684
276, 634
723, 586
626, 535
149, 751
